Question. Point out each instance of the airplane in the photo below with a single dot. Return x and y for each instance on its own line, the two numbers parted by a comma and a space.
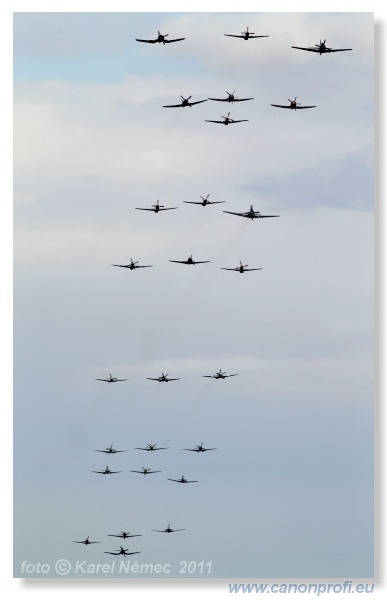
199, 448
231, 98
183, 480
107, 471
157, 208
184, 102
145, 471
246, 35
110, 450
111, 379
190, 261
220, 375
321, 48
133, 265
294, 105
227, 120
124, 535
160, 38
241, 268
167, 530
151, 448
205, 201
86, 542
250, 214
123, 551
163, 378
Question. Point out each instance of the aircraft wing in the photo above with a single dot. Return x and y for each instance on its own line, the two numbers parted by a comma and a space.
301, 107
226, 269
176, 40
182, 262
191, 202
282, 106
259, 269
154, 378
111, 472
267, 216
152, 209
197, 102
308, 49
235, 213
232, 35
194, 449
237, 121
143, 266
173, 379
210, 376
146, 41
107, 380
233, 100
173, 105
337, 50
124, 266
233, 375
200, 262
209, 121
142, 472
258, 36
170, 208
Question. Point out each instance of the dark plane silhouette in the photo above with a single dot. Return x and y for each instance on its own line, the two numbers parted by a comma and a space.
86, 542
183, 480
199, 448
110, 450
160, 39
111, 379
245, 35
240, 269
321, 48
294, 105
250, 214
133, 265
158, 207
226, 120
220, 375
124, 535
107, 471
204, 201
163, 378
184, 102
190, 261
231, 98
152, 447
145, 471
122, 551
168, 529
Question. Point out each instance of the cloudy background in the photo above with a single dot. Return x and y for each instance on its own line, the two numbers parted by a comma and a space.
289, 492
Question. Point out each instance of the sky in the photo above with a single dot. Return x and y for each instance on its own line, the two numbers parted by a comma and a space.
290, 486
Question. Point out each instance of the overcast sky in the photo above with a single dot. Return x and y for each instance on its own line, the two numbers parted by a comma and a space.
290, 486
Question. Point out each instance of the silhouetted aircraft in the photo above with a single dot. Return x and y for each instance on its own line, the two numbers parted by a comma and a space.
145, 471
245, 35
240, 269
107, 471
204, 201
86, 542
163, 378
122, 551
231, 98
110, 450
321, 48
226, 120
152, 447
184, 102
160, 39
168, 529
190, 261
133, 265
220, 375
124, 535
183, 480
250, 214
294, 105
111, 379
199, 448
158, 207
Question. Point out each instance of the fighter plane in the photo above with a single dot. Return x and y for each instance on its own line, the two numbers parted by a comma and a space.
199, 448
294, 105
246, 35
145, 471
184, 102
107, 471
124, 535
241, 268
158, 207
111, 379
160, 39
231, 98
226, 120
133, 265
250, 214
183, 480
110, 450
204, 201
168, 529
163, 378
220, 375
190, 261
152, 448
86, 542
123, 551
321, 48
